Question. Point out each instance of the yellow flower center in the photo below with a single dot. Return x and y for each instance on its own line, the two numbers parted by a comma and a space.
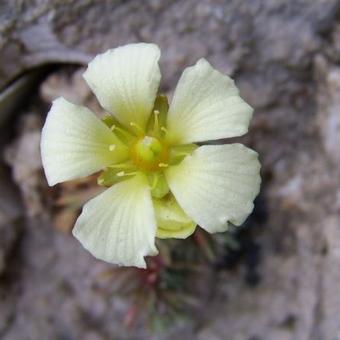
150, 154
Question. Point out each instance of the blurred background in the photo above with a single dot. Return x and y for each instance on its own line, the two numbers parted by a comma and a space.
276, 277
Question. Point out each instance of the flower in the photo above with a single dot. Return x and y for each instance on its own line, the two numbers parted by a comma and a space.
160, 183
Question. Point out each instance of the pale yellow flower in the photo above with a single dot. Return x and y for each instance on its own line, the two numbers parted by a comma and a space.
160, 183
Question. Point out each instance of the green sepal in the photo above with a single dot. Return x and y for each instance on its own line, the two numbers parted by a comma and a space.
121, 132
109, 177
162, 106
159, 185
109, 121
172, 221
178, 152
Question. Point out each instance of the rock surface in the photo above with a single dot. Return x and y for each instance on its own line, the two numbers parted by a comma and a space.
284, 56
10, 213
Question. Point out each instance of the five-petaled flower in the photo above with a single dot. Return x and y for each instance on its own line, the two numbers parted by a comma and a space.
160, 183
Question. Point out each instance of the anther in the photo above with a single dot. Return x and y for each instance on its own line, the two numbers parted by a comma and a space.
163, 165
123, 173
112, 147
137, 127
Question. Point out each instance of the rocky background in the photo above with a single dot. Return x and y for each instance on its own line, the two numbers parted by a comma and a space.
282, 282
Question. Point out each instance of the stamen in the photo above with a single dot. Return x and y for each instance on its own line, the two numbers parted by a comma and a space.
164, 129
121, 166
138, 128
156, 123
123, 173
163, 165
182, 153
154, 182
112, 147
179, 152
122, 131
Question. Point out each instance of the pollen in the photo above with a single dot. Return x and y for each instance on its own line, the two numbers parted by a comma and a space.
112, 147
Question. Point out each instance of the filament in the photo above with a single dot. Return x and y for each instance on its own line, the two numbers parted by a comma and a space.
138, 128
122, 131
156, 123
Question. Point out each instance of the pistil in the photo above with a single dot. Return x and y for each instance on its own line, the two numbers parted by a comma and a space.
149, 154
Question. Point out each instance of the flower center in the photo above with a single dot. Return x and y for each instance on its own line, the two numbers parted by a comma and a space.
150, 154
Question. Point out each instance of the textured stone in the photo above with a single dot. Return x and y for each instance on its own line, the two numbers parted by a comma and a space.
283, 55
10, 213
23, 156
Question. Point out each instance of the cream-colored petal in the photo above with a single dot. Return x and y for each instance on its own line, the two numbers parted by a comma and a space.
206, 106
75, 143
119, 225
216, 185
125, 81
